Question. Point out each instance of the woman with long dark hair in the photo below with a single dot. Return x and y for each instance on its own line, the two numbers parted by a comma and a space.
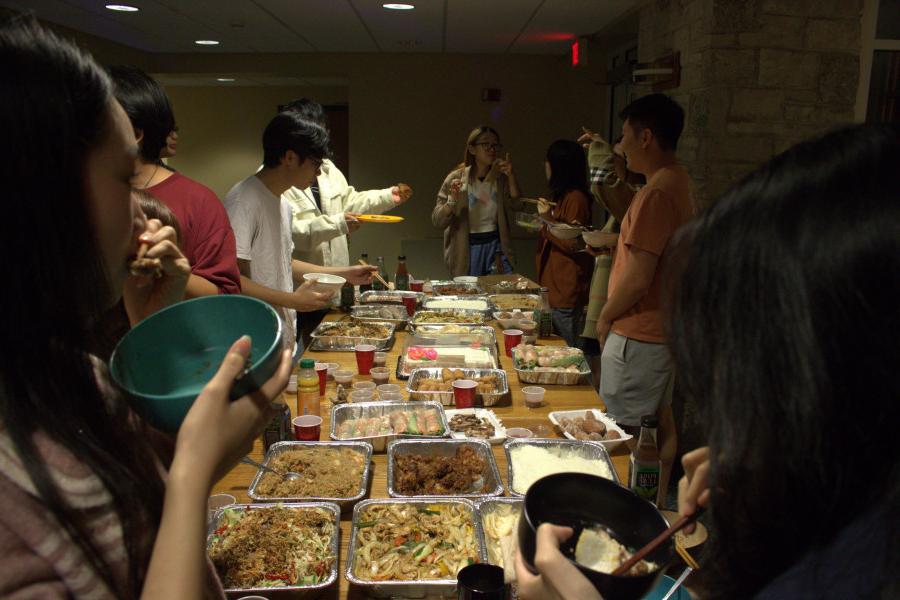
472, 203
561, 267
87, 510
785, 320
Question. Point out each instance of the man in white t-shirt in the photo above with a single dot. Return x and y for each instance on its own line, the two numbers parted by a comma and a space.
293, 149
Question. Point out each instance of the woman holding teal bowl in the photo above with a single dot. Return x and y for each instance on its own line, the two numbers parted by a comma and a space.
87, 509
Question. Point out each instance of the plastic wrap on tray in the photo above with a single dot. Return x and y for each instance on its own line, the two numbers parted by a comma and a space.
479, 303
389, 297
549, 365
456, 334
364, 449
388, 313
447, 317
592, 451
345, 335
434, 374
296, 591
512, 301
443, 586
489, 484
462, 356
385, 422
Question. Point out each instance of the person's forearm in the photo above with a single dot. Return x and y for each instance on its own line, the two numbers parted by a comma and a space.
570, 247
514, 192
626, 295
266, 294
178, 564
198, 286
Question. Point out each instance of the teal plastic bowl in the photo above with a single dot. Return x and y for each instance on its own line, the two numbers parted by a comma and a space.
663, 587
164, 362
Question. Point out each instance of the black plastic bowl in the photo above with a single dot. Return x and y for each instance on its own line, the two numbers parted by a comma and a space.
579, 500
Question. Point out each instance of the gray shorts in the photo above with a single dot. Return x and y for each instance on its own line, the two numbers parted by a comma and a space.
635, 378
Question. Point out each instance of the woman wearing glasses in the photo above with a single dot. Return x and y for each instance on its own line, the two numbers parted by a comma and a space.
471, 206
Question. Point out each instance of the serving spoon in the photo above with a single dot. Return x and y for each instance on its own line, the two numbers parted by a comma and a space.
289, 475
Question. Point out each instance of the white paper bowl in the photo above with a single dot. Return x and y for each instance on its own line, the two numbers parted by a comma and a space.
325, 282
600, 239
564, 232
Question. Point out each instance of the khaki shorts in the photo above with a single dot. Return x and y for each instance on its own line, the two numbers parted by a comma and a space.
636, 378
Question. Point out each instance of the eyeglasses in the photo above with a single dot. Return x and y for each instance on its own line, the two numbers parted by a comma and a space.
489, 145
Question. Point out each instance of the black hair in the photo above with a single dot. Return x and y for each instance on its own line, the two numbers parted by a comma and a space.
55, 109
154, 208
289, 131
148, 108
658, 113
784, 323
308, 109
568, 168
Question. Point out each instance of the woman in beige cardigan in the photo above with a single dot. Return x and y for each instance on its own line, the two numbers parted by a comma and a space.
471, 206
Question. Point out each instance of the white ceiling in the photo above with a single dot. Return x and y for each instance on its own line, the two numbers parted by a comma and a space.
464, 26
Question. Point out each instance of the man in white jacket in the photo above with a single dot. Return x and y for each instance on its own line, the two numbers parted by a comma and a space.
325, 213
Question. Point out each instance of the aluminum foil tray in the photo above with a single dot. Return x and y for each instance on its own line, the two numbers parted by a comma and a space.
377, 313
446, 398
325, 338
485, 507
389, 297
433, 303
534, 376
473, 333
341, 413
589, 450
491, 474
455, 288
418, 588
474, 317
364, 448
506, 302
295, 591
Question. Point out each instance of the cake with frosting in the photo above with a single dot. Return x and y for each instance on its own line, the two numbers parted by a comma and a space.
472, 357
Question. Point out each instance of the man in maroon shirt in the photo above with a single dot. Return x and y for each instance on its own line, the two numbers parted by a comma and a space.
206, 236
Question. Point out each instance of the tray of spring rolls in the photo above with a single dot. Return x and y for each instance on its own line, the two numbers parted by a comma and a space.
329, 472
550, 365
389, 297
436, 383
442, 468
387, 313
412, 547
343, 336
499, 519
289, 548
455, 288
479, 303
380, 422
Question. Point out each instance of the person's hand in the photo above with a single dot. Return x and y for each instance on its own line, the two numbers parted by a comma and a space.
400, 193
693, 489
145, 294
558, 577
359, 274
587, 137
456, 188
352, 220
307, 299
543, 207
603, 327
619, 164
504, 165
217, 432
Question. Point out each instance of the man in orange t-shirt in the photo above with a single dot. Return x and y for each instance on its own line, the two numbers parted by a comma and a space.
636, 373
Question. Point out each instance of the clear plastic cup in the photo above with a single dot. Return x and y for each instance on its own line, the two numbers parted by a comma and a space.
380, 375
534, 396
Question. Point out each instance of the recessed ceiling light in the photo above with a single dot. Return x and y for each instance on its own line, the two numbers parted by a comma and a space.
398, 6
207, 42
122, 7
225, 79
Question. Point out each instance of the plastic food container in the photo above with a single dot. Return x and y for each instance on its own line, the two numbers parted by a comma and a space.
534, 396
341, 413
490, 474
446, 397
343, 377
588, 450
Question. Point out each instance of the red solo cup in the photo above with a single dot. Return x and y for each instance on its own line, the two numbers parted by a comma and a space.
365, 356
511, 339
307, 428
410, 303
464, 393
416, 285
322, 372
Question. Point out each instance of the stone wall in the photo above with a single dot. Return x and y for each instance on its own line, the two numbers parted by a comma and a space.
757, 76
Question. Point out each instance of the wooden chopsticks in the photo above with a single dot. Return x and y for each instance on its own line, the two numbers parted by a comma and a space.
535, 201
375, 274
657, 542
685, 556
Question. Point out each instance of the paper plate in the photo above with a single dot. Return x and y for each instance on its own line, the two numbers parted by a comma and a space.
379, 218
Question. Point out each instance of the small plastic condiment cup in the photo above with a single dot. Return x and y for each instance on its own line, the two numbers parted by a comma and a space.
380, 375
519, 432
511, 339
380, 359
362, 395
534, 396
322, 372
464, 393
527, 326
390, 396
389, 388
343, 377
307, 427
217, 501
332, 368
365, 356
367, 386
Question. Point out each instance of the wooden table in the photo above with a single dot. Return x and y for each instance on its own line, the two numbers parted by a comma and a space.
515, 414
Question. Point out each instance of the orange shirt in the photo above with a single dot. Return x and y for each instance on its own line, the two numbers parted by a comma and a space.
658, 209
